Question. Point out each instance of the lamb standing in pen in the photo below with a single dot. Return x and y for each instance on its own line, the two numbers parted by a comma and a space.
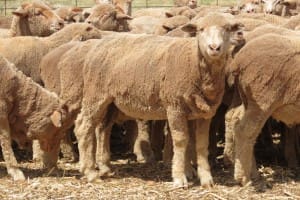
27, 111
172, 92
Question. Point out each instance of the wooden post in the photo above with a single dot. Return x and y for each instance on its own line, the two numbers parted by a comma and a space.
5, 7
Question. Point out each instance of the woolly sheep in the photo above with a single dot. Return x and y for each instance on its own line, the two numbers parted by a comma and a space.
27, 52
264, 92
27, 111
160, 97
35, 19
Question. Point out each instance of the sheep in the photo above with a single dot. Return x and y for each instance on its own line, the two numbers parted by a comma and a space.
193, 95
124, 6
280, 7
250, 6
154, 12
169, 24
35, 19
5, 22
27, 111
272, 19
190, 3
251, 24
292, 23
184, 10
144, 24
30, 50
107, 17
70, 14
264, 91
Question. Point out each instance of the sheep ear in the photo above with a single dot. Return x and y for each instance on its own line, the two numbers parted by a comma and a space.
123, 16
20, 12
56, 119
234, 27
169, 14
76, 9
189, 28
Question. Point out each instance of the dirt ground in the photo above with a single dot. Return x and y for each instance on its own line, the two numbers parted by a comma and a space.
133, 180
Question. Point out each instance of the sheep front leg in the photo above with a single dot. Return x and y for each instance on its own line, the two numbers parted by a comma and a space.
7, 151
84, 131
202, 142
179, 131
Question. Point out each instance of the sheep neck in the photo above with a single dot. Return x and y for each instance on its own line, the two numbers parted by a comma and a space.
212, 76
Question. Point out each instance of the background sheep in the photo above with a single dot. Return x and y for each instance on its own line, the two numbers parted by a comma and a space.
27, 52
36, 19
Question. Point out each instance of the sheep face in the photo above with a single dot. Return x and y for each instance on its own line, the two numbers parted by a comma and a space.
214, 34
42, 20
251, 6
86, 32
106, 17
192, 4
48, 130
272, 6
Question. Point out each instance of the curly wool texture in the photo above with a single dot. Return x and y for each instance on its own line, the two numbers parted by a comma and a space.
272, 19
268, 75
27, 105
27, 52
151, 83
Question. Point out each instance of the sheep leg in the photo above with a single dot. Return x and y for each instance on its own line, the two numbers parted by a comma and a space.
232, 115
179, 131
142, 147
290, 153
7, 151
191, 156
85, 126
103, 149
67, 148
202, 142
168, 147
246, 129
157, 138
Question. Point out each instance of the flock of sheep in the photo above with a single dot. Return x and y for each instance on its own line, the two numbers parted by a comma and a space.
170, 71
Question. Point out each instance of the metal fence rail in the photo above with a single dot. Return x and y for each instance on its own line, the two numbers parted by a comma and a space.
6, 6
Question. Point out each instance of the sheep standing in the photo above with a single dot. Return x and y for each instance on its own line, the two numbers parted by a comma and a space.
27, 111
27, 52
171, 91
267, 83
35, 19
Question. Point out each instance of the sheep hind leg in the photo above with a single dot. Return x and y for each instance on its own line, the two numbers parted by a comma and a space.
179, 131
103, 132
142, 147
85, 126
7, 151
202, 142
245, 132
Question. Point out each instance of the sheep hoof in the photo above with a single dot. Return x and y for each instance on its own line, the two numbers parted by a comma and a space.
91, 175
190, 172
104, 170
180, 182
243, 180
207, 182
16, 174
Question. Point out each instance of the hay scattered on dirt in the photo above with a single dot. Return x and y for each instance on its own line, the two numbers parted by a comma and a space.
133, 180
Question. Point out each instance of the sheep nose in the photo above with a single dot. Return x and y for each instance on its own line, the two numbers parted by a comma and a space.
214, 47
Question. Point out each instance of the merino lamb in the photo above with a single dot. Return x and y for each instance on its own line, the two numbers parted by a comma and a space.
70, 14
27, 52
107, 17
172, 92
36, 19
27, 110
268, 85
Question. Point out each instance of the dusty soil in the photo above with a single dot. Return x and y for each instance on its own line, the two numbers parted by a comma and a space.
133, 180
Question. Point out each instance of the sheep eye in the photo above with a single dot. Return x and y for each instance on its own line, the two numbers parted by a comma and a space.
200, 29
